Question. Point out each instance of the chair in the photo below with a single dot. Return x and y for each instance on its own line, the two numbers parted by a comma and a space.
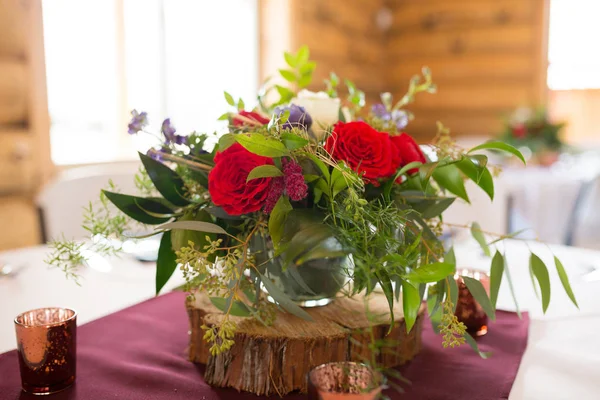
583, 229
61, 202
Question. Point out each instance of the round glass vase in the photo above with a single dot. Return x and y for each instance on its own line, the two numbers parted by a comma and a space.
313, 283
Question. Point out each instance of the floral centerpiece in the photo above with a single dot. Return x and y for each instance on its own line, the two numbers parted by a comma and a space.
307, 197
533, 130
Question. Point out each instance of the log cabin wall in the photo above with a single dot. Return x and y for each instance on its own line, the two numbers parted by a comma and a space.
24, 123
487, 57
343, 36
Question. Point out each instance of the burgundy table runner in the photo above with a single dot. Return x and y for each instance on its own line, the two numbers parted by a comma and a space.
139, 353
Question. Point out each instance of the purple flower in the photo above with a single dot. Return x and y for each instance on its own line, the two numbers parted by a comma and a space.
380, 111
168, 130
397, 117
155, 154
298, 118
138, 122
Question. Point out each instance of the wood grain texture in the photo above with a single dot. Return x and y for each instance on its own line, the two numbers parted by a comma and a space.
12, 35
13, 92
17, 162
275, 359
487, 56
19, 222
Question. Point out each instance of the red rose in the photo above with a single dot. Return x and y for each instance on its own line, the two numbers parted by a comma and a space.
408, 150
254, 116
227, 181
368, 152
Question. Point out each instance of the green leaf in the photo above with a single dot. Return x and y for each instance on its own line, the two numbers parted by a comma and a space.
480, 175
469, 339
134, 207
478, 235
386, 285
411, 301
288, 75
229, 99
283, 300
322, 250
431, 272
166, 181
226, 141
240, 105
166, 262
181, 238
480, 295
305, 240
437, 208
498, 145
263, 146
450, 258
285, 94
496, 272
200, 226
238, 309
277, 219
387, 187
512, 290
224, 117
564, 279
264, 171
453, 292
304, 80
321, 165
290, 59
308, 68
302, 55
449, 177
308, 178
293, 142
539, 270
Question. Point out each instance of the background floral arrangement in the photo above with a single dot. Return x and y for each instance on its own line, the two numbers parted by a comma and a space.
309, 176
533, 129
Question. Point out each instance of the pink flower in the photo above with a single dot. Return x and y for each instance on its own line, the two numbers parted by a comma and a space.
295, 186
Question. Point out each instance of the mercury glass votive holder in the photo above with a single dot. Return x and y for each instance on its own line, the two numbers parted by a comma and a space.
468, 310
46, 346
344, 380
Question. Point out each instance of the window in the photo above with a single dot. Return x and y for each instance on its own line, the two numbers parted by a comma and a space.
574, 60
170, 58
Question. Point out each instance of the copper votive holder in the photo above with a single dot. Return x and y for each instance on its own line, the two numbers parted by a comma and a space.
344, 380
46, 345
468, 310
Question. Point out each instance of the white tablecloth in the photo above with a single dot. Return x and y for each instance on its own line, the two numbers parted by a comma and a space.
562, 360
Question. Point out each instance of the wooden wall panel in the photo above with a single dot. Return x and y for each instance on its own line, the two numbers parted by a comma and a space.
13, 92
24, 122
487, 57
19, 224
343, 37
13, 16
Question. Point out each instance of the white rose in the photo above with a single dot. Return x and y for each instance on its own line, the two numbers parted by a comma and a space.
323, 109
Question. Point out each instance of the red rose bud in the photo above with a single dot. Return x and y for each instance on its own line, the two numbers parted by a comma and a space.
249, 115
368, 152
275, 192
408, 150
227, 181
295, 186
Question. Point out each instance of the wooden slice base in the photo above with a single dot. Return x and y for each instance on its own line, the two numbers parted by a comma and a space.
275, 359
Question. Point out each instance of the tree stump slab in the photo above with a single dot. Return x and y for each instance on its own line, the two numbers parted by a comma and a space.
267, 360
